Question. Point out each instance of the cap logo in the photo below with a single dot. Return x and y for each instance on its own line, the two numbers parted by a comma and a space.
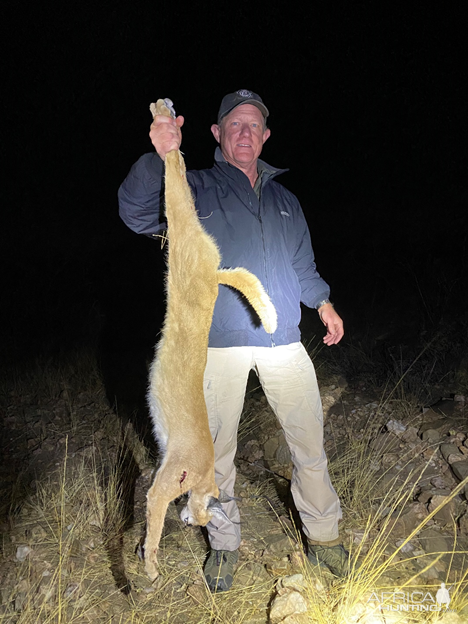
244, 93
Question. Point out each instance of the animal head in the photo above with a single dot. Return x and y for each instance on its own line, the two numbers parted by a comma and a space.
201, 509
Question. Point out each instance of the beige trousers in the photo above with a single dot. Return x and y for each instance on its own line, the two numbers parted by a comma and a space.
288, 379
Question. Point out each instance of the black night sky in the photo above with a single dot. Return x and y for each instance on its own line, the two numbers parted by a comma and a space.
368, 110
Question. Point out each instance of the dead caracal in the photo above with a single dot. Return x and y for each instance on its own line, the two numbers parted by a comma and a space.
175, 395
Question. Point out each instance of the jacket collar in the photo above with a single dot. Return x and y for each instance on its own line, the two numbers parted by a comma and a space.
268, 172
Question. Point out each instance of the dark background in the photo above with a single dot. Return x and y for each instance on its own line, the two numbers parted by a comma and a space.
367, 109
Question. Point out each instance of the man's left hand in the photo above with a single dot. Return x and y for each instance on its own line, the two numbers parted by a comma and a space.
333, 323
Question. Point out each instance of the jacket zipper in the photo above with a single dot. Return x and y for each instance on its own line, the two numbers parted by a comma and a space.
265, 264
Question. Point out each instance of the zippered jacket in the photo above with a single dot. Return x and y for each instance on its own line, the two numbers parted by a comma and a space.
268, 236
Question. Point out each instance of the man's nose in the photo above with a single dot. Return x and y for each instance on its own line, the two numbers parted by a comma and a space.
245, 129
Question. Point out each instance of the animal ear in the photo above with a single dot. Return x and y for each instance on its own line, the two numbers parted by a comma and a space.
215, 507
224, 497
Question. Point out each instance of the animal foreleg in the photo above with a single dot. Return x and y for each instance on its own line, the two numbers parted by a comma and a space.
158, 500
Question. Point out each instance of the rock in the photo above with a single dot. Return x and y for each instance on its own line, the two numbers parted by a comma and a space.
287, 525
298, 618
22, 591
95, 521
439, 482
446, 513
430, 435
385, 443
433, 544
278, 544
20, 600
359, 536
460, 469
4, 596
197, 593
405, 524
408, 547
425, 496
298, 560
396, 427
88, 451
294, 582
23, 552
289, 604
431, 469
278, 568
463, 524
329, 397
270, 447
252, 451
449, 449
410, 435
71, 590
283, 454
453, 458
432, 541
366, 613
250, 573
431, 573
389, 459
248, 549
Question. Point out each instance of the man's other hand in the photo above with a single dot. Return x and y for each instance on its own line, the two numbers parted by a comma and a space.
333, 323
165, 134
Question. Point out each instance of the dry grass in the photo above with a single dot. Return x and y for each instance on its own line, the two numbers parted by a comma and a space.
80, 518
83, 565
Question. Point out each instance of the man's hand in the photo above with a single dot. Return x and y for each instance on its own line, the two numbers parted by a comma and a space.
165, 134
333, 323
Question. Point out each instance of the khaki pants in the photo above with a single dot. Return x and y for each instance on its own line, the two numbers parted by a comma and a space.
288, 379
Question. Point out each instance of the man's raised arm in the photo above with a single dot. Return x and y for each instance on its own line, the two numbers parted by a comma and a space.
141, 193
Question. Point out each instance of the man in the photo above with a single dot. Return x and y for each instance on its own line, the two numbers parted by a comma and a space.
258, 225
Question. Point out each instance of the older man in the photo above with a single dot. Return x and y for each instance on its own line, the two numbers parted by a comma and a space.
258, 225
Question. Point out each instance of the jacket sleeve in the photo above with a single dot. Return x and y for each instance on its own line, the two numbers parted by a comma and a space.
141, 196
313, 288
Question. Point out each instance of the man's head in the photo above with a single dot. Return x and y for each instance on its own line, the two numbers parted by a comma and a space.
241, 129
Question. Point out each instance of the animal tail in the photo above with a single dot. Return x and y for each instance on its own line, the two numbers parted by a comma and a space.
250, 286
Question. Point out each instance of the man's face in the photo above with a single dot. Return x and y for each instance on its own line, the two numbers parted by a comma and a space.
241, 136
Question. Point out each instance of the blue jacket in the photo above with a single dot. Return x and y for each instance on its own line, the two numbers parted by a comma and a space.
269, 237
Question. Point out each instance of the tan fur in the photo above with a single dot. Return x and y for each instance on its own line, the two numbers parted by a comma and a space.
175, 395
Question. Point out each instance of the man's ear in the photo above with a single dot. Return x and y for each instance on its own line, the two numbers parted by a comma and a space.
266, 135
216, 130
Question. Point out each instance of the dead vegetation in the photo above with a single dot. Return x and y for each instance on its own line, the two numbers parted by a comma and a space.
74, 508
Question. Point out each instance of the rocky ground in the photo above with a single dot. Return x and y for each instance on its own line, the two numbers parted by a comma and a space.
74, 481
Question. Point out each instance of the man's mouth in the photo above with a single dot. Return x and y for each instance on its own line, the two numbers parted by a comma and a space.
243, 145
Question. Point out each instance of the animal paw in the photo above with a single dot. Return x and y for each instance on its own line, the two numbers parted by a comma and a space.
151, 569
151, 562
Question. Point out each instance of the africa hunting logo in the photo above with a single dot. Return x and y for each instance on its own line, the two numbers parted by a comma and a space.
412, 601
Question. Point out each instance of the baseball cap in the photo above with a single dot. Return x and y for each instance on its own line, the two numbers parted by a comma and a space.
243, 96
